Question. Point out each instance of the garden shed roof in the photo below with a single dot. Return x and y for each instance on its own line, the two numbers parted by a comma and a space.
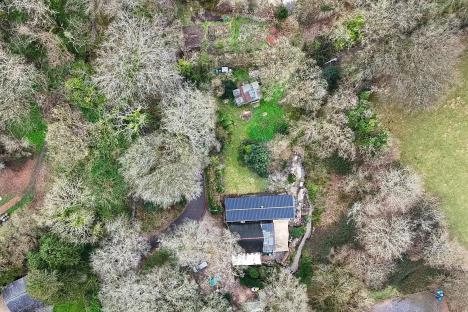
259, 208
17, 299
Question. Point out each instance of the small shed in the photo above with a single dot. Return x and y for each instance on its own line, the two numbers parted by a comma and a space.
248, 93
16, 299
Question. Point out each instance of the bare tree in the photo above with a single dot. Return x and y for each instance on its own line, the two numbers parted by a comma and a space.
120, 252
384, 238
16, 86
39, 14
373, 272
283, 292
163, 169
194, 242
411, 47
330, 134
162, 289
335, 289
70, 211
67, 138
136, 60
279, 63
191, 113
17, 237
13, 149
456, 288
308, 89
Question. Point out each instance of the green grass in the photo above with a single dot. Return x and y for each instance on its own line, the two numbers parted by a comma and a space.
25, 201
238, 178
5, 199
435, 144
79, 306
32, 127
267, 120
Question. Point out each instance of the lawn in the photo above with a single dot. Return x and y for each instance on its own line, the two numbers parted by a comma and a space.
238, 178
435, 144
267, 120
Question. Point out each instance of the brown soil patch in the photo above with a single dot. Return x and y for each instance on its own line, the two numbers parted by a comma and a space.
15, 180
29, 176
242, 294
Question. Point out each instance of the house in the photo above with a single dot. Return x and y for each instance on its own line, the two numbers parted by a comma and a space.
261, 221
15, 299
247, 93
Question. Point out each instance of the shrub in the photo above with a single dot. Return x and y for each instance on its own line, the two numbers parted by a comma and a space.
365, 125
305, 270
322, 49
229, 87
159, 258
255, 156
350, 34
297, 232
82, 92
332, 74
281, 12
198, 71
291, 178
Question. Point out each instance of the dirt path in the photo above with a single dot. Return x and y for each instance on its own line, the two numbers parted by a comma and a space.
21, 180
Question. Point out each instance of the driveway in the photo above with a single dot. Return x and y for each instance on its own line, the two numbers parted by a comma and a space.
419, 302
195, 209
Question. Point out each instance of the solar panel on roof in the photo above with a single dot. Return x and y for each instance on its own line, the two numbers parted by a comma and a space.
259, 208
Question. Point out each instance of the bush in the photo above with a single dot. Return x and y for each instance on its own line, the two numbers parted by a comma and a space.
298, 232
255, 156
198, 71
56, 254
353, 33
32, 127
82, 92
254, 276
322, 49
281, 13
365, 125
305, 270
158, 258
313, 190
332, 74
229, 87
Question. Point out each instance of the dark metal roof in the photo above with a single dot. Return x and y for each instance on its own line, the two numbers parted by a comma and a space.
259, 208
247, 230
17, 299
